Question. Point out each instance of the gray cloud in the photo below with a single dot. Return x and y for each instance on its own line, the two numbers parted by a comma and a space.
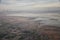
47, 10
0, 1
26, 4
39, 0
26, 1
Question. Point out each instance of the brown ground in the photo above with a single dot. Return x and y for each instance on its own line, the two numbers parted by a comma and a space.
21, 28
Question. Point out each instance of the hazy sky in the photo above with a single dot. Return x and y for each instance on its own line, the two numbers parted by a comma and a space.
27, 4
27, 1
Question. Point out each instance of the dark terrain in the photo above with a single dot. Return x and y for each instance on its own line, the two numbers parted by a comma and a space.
21, 28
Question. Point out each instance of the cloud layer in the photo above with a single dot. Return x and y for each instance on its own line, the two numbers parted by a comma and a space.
27, 1
27, 4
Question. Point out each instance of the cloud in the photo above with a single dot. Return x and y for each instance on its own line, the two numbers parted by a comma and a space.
27, 4
8, 1
0, 1
32, 6
27, 1
37, 5
38, 0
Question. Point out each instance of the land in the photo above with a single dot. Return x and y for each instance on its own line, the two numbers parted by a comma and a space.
24, 28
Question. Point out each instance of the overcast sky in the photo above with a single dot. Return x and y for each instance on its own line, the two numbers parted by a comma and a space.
27, 4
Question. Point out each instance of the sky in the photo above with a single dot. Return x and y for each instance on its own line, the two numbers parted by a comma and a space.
16, 5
